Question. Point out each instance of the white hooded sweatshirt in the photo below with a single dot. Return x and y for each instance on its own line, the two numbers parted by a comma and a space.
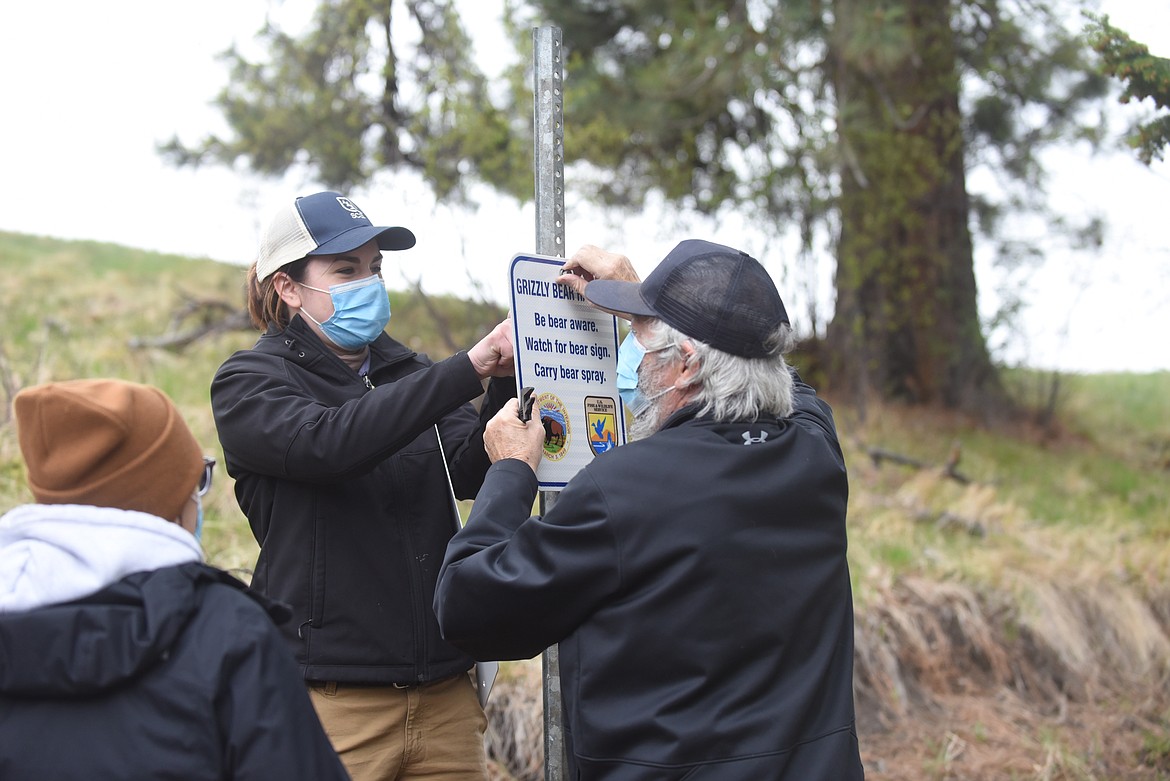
52, 553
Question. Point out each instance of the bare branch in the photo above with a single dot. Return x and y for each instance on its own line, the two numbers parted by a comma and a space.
949, 469
213, 316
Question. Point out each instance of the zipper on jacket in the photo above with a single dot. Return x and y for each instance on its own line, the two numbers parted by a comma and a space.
422, 647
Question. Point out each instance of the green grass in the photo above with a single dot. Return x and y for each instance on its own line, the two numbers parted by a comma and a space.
1156, 747
1106, 455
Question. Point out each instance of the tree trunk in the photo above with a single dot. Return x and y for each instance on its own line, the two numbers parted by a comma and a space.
906, 324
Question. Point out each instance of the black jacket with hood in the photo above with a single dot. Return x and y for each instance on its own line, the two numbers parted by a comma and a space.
697, 584
344, 483
169, 673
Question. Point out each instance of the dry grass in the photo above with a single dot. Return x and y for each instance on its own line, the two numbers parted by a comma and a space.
515, 712
956, 683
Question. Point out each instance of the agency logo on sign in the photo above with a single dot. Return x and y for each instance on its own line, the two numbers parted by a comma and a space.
555, 419
601, 418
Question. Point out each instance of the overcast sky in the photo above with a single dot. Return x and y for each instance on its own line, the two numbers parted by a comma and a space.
89, 88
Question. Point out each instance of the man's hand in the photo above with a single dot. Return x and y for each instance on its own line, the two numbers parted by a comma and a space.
590, 263
506, 436
492, 356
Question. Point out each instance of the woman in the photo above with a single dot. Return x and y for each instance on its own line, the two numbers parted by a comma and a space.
123, 655
346, 446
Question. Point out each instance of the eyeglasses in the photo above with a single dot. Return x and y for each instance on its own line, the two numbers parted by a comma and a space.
205, 477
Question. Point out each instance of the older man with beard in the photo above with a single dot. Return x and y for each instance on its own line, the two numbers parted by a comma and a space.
695, 578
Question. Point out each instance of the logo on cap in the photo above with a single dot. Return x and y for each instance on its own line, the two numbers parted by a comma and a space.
352, 208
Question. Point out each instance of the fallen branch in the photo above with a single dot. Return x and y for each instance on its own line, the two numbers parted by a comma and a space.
950, 469
214, 317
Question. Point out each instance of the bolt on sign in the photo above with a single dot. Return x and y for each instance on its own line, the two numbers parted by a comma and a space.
566, 350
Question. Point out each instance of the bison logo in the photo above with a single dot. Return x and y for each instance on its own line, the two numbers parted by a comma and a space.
555, 419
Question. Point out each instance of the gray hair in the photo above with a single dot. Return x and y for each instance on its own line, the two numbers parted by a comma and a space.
732, 388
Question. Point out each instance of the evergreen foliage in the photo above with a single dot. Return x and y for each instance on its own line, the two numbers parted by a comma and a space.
1143, 76
852, 124
342, 101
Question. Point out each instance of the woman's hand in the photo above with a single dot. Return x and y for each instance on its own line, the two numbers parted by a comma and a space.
493, 355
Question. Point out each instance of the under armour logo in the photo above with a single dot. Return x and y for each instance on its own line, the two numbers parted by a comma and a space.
748, 439
352, 208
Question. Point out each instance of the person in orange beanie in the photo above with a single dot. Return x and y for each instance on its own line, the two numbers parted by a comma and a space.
116, 639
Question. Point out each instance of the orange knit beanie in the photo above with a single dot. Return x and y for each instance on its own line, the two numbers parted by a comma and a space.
107, 443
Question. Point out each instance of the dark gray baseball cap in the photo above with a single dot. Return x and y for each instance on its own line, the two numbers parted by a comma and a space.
716, 294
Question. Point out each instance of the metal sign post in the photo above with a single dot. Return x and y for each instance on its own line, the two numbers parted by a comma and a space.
549, 167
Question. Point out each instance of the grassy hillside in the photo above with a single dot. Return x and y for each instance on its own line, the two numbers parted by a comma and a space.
73, 309
1012, 586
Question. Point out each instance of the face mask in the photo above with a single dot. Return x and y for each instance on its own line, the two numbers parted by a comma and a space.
361, 311
198, 518
629, 358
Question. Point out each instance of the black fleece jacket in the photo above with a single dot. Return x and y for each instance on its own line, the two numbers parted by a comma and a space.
697, 584
344, 483
172, 673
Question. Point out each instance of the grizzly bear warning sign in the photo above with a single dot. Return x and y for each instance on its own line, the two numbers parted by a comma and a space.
567, 351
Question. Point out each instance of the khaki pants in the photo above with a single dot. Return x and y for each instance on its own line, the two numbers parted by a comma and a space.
386, 733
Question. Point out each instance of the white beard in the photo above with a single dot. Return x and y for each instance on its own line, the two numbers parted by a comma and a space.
653, 416
647, 423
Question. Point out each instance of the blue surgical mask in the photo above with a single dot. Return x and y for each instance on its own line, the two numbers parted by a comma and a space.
361, 311
198, 518
629, 358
